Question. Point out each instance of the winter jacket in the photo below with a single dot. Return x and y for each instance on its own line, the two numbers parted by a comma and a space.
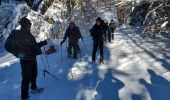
105, 27
73, 35
97, 32
112, 26
26, 44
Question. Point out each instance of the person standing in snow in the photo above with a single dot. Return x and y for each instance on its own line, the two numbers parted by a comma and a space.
112, 27
73, 34
28, 50
97, 33
106, 29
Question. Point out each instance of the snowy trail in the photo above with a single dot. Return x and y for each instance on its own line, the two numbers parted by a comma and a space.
130, 72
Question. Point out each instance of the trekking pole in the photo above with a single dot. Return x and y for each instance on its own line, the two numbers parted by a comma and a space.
80, 55
46, 71
47, 59
69, 60
69, 63
61, 53
85, 47
44, 65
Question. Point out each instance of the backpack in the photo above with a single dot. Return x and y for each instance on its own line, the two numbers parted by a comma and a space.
112, 25
10, 44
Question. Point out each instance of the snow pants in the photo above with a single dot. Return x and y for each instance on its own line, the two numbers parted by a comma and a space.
111, 35
29, 75
97, 44
105, 37
75, 47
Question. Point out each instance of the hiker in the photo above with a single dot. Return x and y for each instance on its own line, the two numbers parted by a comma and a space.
112, 27
97, 33
73, 34
106, 30
26, 48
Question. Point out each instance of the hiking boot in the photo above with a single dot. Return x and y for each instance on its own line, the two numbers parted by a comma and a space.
69, 56
37, 90
27, 98
93, 60
78, 51
74, 57
101, 60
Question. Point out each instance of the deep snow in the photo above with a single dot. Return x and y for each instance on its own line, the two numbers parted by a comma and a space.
134, 69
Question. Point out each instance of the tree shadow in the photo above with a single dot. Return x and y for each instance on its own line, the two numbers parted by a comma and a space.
159, 87
136, 97
164, 61
10, 82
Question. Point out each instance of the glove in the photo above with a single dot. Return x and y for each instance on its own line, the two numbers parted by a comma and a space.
51, 50
44, 42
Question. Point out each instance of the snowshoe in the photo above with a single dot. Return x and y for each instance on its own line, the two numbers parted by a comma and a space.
27, 98
92, 62
74, 57
37, 90
78, 51
101, 61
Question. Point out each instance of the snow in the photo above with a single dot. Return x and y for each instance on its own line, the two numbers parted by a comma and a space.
10, 13
7, 60
134, 68
130, 72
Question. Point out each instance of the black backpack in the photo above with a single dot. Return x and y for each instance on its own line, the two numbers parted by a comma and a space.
10, 44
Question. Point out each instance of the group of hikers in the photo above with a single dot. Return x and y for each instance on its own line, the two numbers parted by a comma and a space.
101, 32
26, 48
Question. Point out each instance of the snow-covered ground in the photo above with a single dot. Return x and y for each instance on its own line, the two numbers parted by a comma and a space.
134, 69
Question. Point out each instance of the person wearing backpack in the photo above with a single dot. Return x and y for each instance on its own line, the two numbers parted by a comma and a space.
112, 27
73, 34
23, 45
106, 29
97, 33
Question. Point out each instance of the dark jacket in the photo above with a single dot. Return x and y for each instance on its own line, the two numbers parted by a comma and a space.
27, 45
105, 27
73, 35
97, 32
112, 26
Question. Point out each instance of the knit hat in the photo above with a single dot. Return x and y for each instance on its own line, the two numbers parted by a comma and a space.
24, 22
72, 22
98, 19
